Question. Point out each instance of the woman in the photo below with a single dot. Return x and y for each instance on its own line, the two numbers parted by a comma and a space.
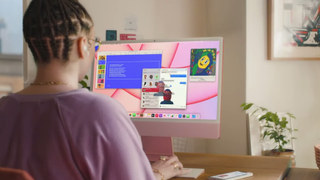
55, 131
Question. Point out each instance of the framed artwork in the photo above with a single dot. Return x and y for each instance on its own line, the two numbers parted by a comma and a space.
294, 29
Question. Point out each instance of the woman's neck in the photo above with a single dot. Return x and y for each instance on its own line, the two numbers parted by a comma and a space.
67, 77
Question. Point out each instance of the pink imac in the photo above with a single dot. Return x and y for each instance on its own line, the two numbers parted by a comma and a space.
169, 88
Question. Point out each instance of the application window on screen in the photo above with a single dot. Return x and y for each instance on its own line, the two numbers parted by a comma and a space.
164, 88
123, 69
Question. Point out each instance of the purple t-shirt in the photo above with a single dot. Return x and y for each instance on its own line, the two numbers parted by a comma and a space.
76, 135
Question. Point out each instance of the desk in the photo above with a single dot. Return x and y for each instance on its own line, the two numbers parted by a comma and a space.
304, 174
263, 168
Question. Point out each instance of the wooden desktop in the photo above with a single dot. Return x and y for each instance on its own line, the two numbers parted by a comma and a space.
263, 168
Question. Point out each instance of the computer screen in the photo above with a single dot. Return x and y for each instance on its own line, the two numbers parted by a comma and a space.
163, 81
169, 88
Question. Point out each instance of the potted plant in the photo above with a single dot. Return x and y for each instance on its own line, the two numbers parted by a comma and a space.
84, 84
274, 128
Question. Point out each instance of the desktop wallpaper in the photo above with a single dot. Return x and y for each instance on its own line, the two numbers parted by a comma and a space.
199, 57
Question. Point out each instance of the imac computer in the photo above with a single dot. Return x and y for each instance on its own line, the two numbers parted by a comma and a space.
169, 88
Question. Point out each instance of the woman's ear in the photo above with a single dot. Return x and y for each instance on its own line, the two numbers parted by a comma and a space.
83, 50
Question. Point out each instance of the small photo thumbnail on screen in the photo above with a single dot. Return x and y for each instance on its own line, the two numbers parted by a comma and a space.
203, 62
102, 57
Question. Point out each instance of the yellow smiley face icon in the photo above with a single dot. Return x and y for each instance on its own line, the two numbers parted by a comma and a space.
204, 62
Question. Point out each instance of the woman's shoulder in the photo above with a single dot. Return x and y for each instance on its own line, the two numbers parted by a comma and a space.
3, 101
97, 99
91, 102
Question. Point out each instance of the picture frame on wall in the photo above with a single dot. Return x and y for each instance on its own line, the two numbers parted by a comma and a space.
293, 29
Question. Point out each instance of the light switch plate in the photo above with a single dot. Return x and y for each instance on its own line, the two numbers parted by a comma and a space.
131, 24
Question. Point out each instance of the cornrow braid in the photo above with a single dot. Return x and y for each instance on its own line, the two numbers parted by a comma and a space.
51, 27
53, 42
66, 26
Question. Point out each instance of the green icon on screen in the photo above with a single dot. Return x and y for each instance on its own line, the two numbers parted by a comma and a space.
134, 114
188, 116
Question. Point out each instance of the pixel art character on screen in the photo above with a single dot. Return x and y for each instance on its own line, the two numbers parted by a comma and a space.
203, 62
102, 57
167, 94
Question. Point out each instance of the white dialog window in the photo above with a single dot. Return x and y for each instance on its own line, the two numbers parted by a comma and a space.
164, 88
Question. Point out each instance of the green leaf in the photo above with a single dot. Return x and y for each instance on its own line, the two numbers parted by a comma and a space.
262, 118
275, 118
294, 138
295, 130
291, 115
247, 106
86, 77
265, 134
242, 105
281, 137
268, 126
263, 109
84, 84
289, 129
254, 112
284, 142
275, 133
268, 116
284, 122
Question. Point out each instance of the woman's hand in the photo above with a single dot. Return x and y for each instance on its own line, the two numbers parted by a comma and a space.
169, 167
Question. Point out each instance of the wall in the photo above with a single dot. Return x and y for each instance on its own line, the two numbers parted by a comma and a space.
11, 74
283, 86
14, 82
229, 21
156, 19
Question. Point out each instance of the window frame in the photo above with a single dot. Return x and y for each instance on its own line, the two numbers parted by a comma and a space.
18, 57
11, 57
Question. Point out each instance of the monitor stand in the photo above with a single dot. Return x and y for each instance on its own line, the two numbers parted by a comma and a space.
154, 147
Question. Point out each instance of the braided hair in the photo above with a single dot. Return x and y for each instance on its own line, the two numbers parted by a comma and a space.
50, 27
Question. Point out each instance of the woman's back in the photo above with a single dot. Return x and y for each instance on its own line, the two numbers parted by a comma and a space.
71, 135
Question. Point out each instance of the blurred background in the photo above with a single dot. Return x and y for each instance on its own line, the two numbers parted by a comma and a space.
11, 46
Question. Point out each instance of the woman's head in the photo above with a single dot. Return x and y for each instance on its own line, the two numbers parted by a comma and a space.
59, 30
